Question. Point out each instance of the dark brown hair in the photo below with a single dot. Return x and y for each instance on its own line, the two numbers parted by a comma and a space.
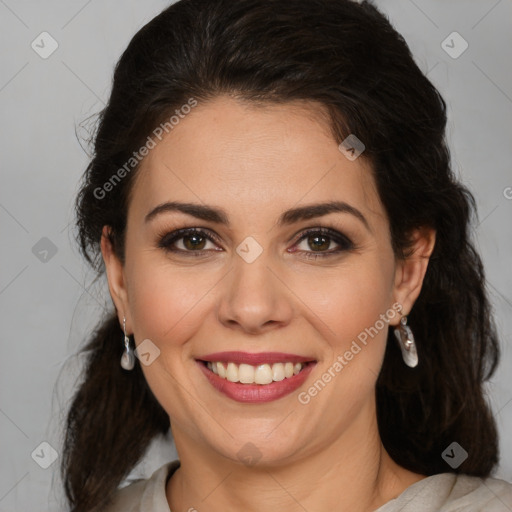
348, 57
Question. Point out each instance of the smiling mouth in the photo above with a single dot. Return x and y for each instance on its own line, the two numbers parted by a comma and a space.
261, 374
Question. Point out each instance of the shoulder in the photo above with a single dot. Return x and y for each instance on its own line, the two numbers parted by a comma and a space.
144, 494
451, 492
481, 494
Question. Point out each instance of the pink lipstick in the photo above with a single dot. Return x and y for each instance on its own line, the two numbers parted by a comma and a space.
255, 378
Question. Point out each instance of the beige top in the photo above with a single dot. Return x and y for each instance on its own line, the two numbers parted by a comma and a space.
445, 492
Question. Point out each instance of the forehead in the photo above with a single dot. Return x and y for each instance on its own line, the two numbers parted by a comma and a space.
246, 158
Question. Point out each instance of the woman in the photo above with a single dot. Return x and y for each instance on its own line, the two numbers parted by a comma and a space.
296, 294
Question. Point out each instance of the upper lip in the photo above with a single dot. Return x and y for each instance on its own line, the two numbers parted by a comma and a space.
255, 358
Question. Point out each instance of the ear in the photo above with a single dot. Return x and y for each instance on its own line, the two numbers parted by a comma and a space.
116, 279
409, 273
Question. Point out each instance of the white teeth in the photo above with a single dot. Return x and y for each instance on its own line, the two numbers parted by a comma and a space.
232, 372
246, 373
221, 371
261, 374
278, 372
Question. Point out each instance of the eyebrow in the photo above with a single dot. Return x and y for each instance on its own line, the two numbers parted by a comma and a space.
219, 216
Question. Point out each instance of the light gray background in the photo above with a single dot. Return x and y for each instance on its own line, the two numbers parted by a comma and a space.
47, 308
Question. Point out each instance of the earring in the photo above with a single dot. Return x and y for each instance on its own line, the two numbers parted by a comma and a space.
406, 343
127, 359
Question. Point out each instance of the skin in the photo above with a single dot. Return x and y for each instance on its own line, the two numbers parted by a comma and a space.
244, 159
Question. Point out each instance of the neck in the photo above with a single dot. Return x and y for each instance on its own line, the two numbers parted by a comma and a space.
354, 473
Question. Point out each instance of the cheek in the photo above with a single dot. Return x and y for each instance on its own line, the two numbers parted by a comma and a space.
167, 306
165, 300
348, 299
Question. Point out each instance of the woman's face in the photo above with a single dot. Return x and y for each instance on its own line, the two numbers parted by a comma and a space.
252, 285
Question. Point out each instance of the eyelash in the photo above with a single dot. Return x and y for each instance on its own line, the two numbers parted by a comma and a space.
166, 240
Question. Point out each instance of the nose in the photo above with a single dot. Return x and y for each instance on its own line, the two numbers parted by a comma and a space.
254, 298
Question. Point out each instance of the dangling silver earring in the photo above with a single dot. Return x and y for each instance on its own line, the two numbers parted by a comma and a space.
406, 343
128, 358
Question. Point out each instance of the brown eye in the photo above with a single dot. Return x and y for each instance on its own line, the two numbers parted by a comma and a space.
192, 240
319, 240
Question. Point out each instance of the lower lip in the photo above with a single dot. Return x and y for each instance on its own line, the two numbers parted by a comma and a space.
257, 393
